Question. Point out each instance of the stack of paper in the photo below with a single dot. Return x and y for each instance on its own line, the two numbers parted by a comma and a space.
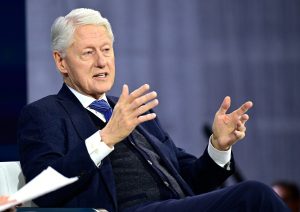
47, 181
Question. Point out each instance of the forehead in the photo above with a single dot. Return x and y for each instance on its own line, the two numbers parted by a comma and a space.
91, 34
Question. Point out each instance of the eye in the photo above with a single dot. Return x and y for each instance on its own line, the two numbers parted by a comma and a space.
106, 49
89, 52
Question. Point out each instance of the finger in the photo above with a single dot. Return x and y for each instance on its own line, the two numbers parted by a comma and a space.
144, 108
239, 134
138, 92
241, 127
244, 108
146, 117
244, 118
4, 199
143, 99
225, 105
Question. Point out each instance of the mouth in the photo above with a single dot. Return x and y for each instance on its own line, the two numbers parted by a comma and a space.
101, 75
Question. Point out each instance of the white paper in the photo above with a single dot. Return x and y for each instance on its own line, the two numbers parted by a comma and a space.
47, 181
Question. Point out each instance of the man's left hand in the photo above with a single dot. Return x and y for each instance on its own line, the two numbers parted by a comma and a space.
229, 128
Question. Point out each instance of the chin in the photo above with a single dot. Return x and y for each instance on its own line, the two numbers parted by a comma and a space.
103, 90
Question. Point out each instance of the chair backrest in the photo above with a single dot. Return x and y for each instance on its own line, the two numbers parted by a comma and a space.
12, 179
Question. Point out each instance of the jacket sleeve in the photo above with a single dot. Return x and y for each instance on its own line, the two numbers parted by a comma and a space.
44, 142
202, 174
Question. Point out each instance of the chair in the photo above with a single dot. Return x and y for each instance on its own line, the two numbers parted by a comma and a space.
12, 179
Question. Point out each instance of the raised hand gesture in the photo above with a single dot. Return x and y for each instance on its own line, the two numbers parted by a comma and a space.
128, 113
229, 128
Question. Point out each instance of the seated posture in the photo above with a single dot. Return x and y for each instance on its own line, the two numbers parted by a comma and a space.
124, 158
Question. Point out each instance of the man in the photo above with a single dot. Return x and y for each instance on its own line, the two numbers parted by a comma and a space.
125, 160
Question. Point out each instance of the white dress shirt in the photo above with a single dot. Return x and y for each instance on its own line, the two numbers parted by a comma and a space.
98, 150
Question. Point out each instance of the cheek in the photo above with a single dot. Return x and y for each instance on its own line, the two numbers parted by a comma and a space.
78, 73
112, 65
82, 69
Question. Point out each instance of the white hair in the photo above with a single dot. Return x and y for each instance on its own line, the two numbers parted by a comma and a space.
63, 28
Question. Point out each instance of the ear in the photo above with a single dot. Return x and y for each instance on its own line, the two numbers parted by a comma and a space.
60, 62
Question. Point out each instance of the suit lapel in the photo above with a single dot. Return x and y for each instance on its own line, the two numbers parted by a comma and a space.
78, 114
158, 145
155, 140
166, 156
85, 127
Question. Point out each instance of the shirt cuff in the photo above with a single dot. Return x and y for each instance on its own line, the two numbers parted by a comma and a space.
97, 149
221, 158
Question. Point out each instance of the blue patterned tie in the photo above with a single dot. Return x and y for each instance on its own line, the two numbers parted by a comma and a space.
102, 107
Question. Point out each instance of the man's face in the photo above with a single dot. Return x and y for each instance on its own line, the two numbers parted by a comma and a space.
89, 65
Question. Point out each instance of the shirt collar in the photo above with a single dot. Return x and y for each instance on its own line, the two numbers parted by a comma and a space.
85, 100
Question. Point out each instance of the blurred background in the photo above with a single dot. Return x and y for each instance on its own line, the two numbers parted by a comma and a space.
193, 53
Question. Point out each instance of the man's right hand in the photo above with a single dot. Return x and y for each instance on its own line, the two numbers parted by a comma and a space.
128, 113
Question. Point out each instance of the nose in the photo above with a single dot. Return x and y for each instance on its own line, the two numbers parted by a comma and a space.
100, 60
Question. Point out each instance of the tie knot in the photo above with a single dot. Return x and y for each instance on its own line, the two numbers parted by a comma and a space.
102, 107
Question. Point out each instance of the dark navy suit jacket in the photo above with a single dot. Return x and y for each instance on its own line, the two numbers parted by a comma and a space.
52, 132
